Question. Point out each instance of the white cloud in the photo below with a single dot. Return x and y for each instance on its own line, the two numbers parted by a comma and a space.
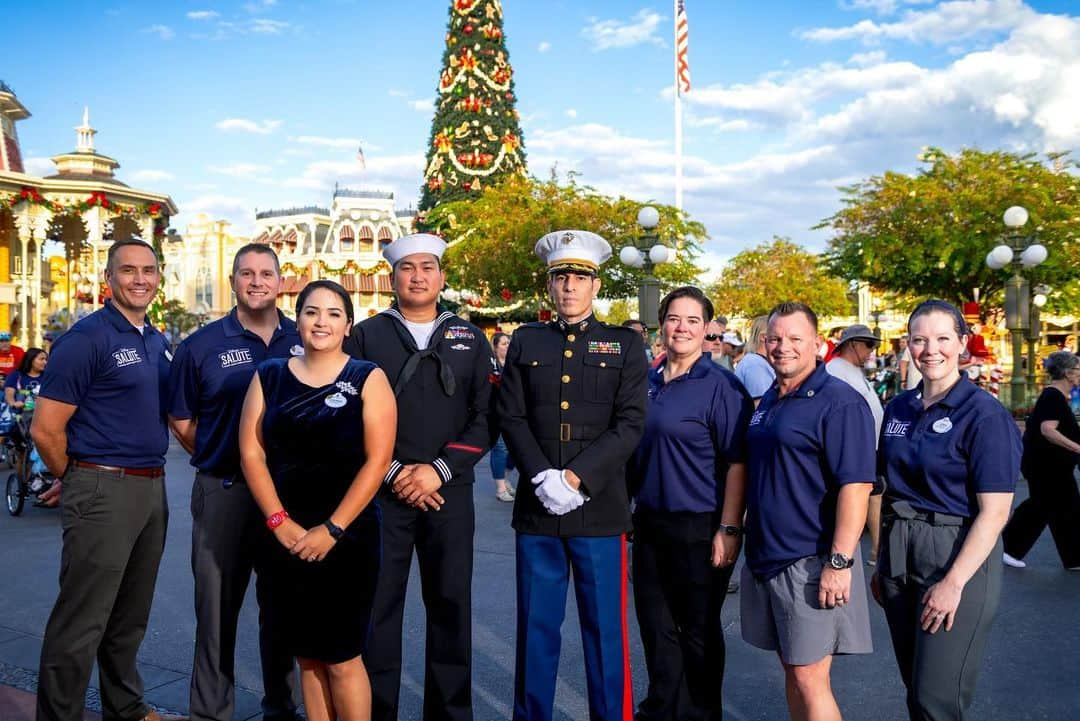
328, 142
164, 32
399, 174
543, 47
266, 26
423, 106
151, 176
394, 93
571, 113
202, 15
641, 28
245, 125
246, 171
39, 166
236, 210
944, 24
874, 57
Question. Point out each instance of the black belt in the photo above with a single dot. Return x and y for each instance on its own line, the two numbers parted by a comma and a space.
145, 472
897, 538
904, 511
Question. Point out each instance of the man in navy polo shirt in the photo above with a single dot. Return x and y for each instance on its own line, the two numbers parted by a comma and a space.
100, 426
811, 467
209, 380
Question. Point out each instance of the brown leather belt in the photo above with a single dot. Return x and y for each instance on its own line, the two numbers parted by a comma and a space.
145, 472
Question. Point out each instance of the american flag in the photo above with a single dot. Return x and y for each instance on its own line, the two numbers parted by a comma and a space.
682, 45
360, 157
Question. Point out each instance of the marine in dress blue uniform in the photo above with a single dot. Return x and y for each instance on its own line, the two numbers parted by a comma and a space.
571, 406
108, 375
209, 380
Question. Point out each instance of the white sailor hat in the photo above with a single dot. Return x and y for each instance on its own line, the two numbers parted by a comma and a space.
407, 245
575, 250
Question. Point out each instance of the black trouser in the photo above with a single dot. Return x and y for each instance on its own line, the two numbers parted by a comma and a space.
1053, 500
225, 521
678, 596
939, 669
114, 532
444, 549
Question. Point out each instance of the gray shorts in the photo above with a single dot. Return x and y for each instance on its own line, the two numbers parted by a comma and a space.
782, 614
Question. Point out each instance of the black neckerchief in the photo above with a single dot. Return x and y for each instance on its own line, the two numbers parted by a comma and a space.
446, 373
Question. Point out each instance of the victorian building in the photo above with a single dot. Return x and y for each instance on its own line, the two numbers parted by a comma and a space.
82, 207
342, 243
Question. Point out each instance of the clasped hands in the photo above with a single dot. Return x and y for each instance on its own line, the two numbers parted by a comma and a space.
417, 485
309, 544
555, 492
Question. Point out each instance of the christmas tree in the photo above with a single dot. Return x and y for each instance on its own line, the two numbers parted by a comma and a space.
475, 136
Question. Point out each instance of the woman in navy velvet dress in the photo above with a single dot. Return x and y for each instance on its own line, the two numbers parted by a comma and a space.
316, 438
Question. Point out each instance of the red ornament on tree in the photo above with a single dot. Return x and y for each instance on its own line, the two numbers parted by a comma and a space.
505, 294
468, 29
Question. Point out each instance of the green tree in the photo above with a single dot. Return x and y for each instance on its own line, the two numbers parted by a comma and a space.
928, 234
757, 279
492, 237
177, 318
475, 135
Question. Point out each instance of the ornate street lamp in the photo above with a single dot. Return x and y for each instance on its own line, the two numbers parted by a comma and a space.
647, 252
1018, 251
1038, 300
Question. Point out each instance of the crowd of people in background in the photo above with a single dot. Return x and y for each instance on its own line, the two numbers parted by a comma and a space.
328, 452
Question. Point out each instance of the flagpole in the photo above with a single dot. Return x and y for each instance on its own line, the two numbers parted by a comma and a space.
678, 116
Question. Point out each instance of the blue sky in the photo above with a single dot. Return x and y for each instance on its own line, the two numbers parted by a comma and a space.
229, 107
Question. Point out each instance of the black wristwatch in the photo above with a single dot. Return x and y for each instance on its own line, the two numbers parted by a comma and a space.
839, 561
730, 530
335, 531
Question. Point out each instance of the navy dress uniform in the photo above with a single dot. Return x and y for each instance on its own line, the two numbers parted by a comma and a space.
443, 394
572, 397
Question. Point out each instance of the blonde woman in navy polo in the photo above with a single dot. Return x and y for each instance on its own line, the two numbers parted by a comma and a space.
950, 454
689, 481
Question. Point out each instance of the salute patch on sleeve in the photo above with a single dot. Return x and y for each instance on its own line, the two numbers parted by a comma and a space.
607, 347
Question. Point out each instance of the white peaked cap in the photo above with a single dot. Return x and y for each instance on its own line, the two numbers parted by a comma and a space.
576, 250
408, 245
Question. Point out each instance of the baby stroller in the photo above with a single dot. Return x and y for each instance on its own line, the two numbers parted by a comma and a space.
29, 476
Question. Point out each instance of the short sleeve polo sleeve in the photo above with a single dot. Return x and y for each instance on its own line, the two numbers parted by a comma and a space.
848, 442
70, 371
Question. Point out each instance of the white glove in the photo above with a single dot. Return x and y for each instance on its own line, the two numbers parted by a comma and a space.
557, 495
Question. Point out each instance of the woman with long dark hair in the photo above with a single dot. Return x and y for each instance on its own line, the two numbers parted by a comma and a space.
316, 438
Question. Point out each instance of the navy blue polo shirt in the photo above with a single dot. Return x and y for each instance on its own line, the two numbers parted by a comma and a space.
937, 459
209, 380
802, 448
116, 375
694, 429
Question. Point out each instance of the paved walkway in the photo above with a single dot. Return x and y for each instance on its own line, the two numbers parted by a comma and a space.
1029, 673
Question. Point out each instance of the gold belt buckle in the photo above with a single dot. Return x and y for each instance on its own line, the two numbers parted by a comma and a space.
564, 432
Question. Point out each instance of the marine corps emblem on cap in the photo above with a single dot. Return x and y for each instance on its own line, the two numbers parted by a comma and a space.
578, 251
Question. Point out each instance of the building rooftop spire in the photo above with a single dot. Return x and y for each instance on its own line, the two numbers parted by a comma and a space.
84, 134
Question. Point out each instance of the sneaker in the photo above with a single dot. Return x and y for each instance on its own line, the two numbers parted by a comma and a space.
1014, 562
511, 490
505, 496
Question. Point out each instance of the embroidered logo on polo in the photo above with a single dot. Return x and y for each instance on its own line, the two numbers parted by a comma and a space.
458, 332
605, 347
235, 357
126, 357
460, 346
897, 429
757, 418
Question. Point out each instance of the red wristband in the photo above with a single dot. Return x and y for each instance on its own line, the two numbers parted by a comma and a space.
276, 519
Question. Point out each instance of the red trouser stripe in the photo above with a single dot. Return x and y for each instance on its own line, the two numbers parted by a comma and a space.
628, 684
